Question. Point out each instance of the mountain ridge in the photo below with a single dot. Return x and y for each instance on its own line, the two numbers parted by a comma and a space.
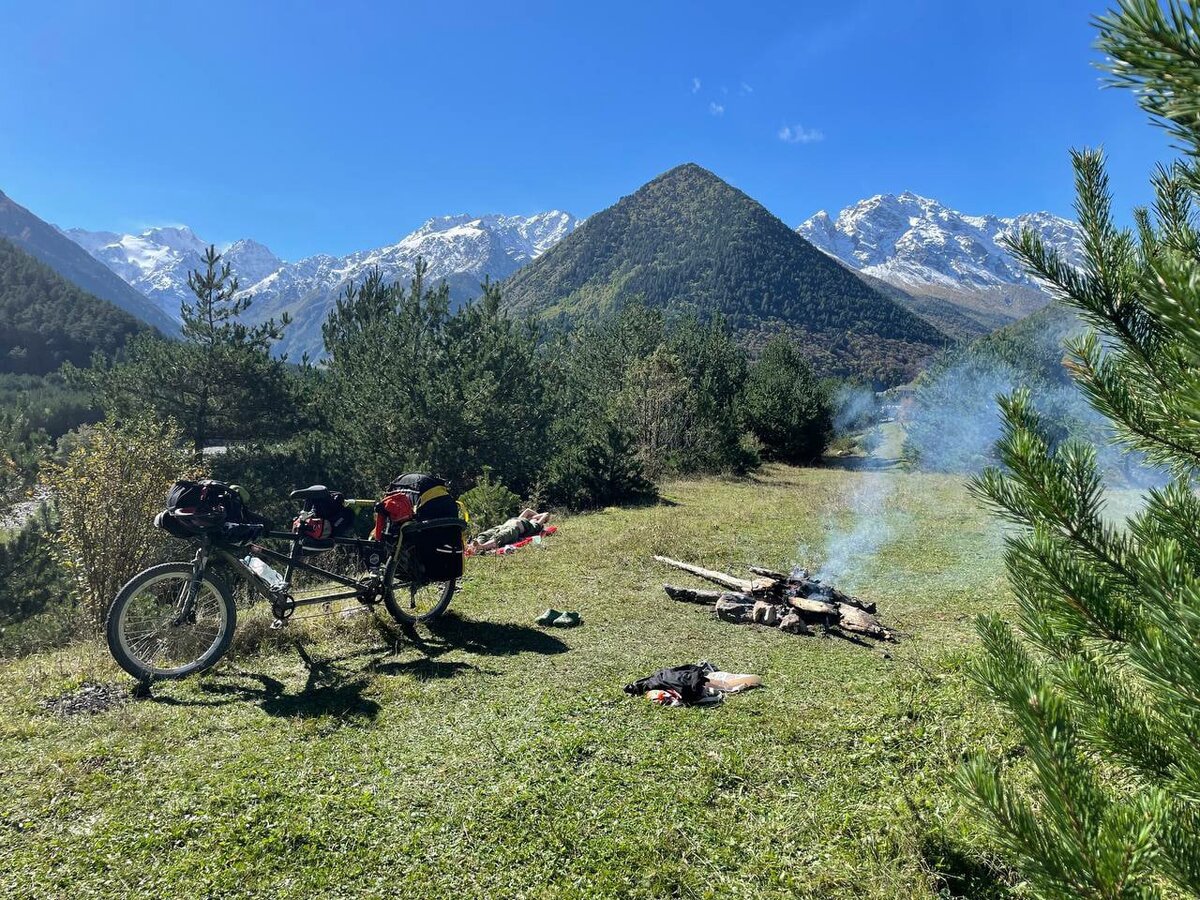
47, 320
462, 249
929, 250
47, 244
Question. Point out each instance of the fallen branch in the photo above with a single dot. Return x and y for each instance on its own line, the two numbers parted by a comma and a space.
692, 595
756, 586
769, 573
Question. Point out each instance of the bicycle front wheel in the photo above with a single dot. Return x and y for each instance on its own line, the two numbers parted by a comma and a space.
152, 635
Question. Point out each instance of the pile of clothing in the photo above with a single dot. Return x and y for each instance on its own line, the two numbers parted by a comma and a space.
696, 684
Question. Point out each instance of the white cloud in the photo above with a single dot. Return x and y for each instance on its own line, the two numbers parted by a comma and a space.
716, 109
798, 134
695, 85
746, 89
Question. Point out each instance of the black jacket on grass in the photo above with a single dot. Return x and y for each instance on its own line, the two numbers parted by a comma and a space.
688, 681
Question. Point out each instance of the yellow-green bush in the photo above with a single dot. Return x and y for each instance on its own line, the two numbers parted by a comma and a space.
109, 486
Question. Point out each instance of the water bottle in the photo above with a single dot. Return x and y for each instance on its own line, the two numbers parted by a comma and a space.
263, 571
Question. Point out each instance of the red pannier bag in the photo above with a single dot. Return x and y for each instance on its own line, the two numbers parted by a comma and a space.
394, 509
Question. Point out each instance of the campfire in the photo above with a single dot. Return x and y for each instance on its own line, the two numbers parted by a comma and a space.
796, 602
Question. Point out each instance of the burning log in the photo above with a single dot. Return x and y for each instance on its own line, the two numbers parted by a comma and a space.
799, 580
794, 602
860, 622
815, 610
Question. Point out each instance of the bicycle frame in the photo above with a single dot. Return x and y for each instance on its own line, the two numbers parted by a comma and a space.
364, 589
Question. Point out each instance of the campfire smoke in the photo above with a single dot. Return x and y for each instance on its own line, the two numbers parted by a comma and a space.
848, 545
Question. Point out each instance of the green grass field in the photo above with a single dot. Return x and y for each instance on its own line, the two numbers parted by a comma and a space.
489, 758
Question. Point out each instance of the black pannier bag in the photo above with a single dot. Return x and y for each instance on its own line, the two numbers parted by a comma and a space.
212, 508
325, 516
438, 551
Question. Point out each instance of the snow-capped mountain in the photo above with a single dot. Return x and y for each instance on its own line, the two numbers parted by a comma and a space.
157, 261
923, 247
462, 249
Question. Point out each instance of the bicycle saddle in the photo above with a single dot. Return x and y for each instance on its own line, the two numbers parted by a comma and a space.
310, 493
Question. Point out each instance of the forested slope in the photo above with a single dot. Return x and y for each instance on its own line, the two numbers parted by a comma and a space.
45, 320
688, 243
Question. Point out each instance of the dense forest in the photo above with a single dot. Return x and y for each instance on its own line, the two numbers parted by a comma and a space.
46, 320
688, 244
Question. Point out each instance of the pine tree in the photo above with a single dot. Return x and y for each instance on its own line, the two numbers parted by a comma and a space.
787, 407
219, 381
1101, 670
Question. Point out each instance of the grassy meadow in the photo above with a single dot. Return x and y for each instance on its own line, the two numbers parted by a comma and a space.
485, 757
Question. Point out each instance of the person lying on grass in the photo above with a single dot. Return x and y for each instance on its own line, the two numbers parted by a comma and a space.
527, 524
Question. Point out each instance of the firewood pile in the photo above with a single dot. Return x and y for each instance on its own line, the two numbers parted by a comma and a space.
796, 602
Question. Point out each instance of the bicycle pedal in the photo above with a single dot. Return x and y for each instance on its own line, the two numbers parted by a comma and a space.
277, 624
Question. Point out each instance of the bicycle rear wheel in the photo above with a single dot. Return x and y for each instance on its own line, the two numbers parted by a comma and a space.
412, 602
151, 635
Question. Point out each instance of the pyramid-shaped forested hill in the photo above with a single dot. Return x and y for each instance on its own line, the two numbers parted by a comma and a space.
687, 243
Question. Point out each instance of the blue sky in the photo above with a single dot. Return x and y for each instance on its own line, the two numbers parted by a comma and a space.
320, 127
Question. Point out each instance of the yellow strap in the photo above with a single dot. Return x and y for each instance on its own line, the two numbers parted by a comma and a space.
432, 494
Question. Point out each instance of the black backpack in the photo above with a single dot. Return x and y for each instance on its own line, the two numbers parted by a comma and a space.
204, 505
430, 495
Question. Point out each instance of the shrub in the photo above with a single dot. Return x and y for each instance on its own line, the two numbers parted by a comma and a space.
35, 603
598, 468
489, 503
109, 487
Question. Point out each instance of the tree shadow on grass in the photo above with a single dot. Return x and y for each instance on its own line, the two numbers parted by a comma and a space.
494, 638
645, 502
332, 689
959, 874
424, 668
861, 463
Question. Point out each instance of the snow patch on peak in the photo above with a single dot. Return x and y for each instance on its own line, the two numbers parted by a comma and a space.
158, 260
462, 249
915, 241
